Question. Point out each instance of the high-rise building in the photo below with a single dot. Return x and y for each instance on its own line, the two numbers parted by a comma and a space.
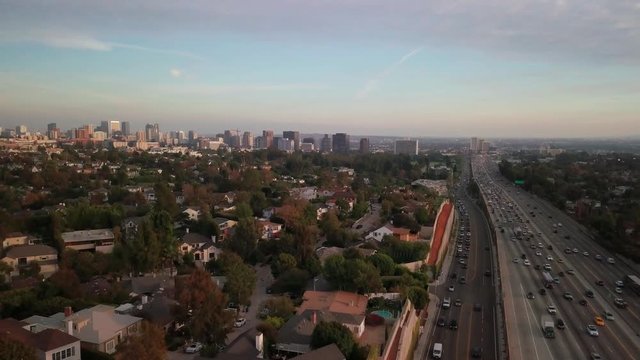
259, 143
152, 132
293, 135
485, 147
406, 147
309, 140
268, 138
193, 136
140, 136
21, 130
52, 131
247, 140
325, 143
474, 144
364, 145
307, 147
126, 128
182, 138
114, 127
104, 126
341, 143
51, 126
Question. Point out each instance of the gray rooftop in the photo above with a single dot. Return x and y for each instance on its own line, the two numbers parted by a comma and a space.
21, 251
88, 235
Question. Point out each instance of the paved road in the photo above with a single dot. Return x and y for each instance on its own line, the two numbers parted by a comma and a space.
475, 328
513, 208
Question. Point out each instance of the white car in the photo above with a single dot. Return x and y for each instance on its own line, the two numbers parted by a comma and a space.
549, 258
611, 261
619, 283
552, 309
586, 253
240, 322
526, 262
538, 253
618, 290
516, 260
608, 315
451, 288
592, 330
193, 348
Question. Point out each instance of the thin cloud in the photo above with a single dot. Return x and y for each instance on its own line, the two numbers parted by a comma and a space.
208, 90
176, 73
84, 42
374, 83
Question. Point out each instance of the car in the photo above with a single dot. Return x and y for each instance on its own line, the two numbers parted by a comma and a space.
567, 251
454, 275
618, 290
542, 292
611, 260
452, 288
595, 356
516, 260
592, 330
599, 282
571, 272
538, 253
536, 266
586, 253
487, 273
441, 322
552, 309
582, 302
619, 302
598, 257
549, 258
458, 302
575, 250
561, 273
526, 263
530, 295
619, 283
453, 324
464, 266
240, 322
446, 303
608, 315
193, 348
589, 294
477, 307
476, 352
560, 324
567, 295
463, 280
560, 261
547, 267
598, 320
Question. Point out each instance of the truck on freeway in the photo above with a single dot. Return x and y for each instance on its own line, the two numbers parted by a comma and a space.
548, 326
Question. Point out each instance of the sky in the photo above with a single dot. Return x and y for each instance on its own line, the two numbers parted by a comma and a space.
414, 68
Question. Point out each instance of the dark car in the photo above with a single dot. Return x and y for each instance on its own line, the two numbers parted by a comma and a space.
542, 292
454, 275
537, 267
600, 283
476, 352
582, 302
530, 295
463, 280
441, 322
560, 324
588, 293
453, 324
487, 273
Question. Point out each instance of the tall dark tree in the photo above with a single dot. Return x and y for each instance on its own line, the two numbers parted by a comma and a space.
148, 344
245, 238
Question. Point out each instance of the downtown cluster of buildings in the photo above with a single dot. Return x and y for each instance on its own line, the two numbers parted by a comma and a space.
479, 146
117, 134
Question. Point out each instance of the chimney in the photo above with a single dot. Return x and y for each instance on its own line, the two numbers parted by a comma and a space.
68, 311
314, 318
69, 327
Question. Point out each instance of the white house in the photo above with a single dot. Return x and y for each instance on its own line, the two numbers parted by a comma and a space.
379, 233
193, 214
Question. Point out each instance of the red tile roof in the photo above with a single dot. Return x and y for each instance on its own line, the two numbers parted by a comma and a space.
45, 340
441, 225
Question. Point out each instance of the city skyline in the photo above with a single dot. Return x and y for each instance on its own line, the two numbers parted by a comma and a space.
407, 69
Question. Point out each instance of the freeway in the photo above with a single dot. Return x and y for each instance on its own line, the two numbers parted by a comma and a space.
527, 243
473, 300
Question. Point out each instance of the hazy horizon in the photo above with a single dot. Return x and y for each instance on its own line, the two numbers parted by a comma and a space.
494, 69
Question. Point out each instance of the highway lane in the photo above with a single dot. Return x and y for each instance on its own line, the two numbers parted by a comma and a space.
475, 328
614, 340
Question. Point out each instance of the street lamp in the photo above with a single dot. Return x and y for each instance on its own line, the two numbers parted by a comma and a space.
314, 283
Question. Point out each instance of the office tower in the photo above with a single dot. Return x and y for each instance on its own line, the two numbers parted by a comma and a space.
104, 126
340, 143
182, 138
114, 127
293, 135
479, 145
247, 140
152, 132
126, 128
51, 126
307, 147
474, 144
259, 143
193, 136
364, 145
325, 143
52, 131
140, 136
309, 140
227, 137
21, 130
406, 147
99, 135
485, 147
268, 138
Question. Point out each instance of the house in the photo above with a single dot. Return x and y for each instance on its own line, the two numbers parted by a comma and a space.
157, 310
202, 247
320, 211
305, 193
268, 230
192, 213
269, 212
22, 256
348, 308
99, 328
16, 238
100, 240
99, 196
49, 344
225, 226
327, 352
399, 233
